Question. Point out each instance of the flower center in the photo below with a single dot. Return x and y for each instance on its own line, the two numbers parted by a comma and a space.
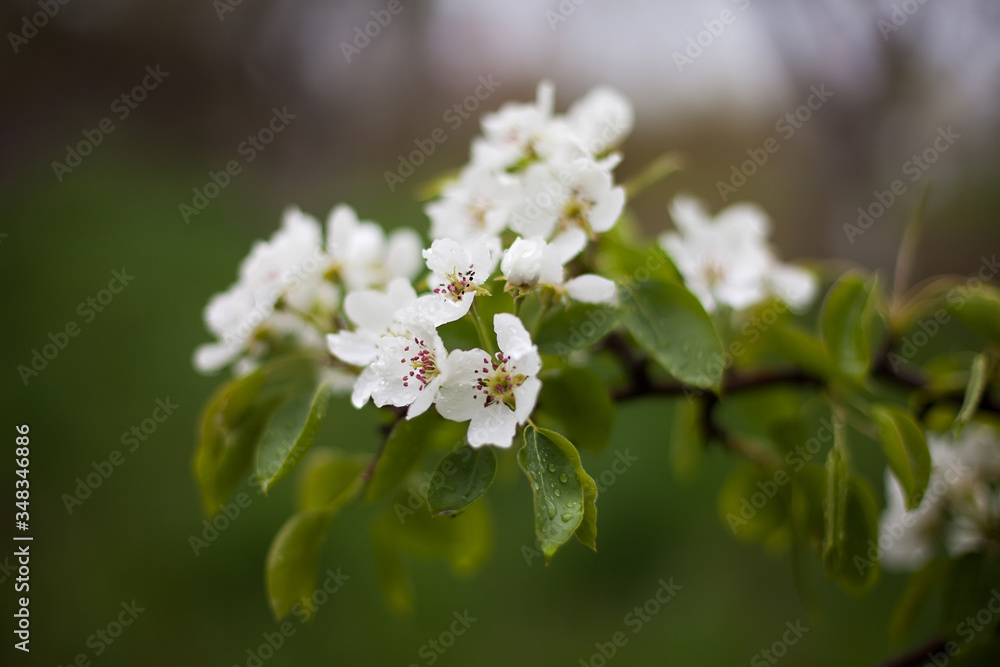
459, 283
423, 365
576, 213
496, 383
714, 273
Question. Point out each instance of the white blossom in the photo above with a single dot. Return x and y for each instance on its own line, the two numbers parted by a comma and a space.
363, 257
408, 370
568, 202
478, 203
726, 261
287, 266
458, 272
493, 395
601, 120
372, 312
960, 509
532, 262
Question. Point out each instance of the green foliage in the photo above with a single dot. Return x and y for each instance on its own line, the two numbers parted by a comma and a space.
846, 321
291, 433
463, 540
577, 399
851, 525
293, 561
565, 496
576, 326
774, 387
753, 506
979, 378
234, 421
408, 442
979, 308
671, 324
905, 448
460, 479
330, 479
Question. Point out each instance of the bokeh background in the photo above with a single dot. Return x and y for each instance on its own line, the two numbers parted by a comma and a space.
229, 65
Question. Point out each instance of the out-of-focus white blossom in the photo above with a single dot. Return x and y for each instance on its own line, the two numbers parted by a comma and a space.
726, 260
960, 511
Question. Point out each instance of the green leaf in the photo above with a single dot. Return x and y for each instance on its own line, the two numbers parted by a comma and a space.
293, 561
800, 348
851, 525
330, 479
978, 308
587, 531
229, 432
579, 401
406, 445
844, 323
460, 479
905, 448
291, 433
670, 323
550, 472
979, 376
575, 327
234, 421
835, 507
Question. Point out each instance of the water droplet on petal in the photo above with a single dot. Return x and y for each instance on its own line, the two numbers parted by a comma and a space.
556, 492
551, 507
567, 517
563, 478
552, 467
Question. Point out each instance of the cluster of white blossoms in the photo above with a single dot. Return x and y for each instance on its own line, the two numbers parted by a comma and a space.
537, 190
290, 286
960, 511
539, 187
726, 261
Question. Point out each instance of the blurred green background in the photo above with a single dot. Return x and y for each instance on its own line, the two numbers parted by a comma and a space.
119, 211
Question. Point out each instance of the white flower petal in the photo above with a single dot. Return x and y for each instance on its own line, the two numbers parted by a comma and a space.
358, 348
363, 387
569, 243
458, 398
512, 337
402, 257
793, 285
494, 425
591, 288
526, 396
210, 357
